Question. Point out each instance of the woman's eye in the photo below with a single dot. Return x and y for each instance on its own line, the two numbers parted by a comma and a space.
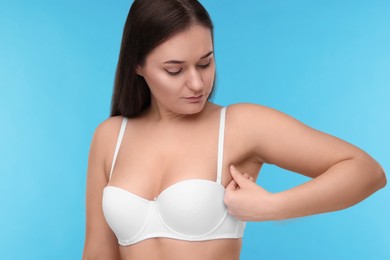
173, 73
203, 66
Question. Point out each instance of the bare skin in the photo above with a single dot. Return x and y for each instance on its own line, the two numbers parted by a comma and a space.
176, 139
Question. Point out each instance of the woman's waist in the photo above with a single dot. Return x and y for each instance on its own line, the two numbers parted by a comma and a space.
172, 249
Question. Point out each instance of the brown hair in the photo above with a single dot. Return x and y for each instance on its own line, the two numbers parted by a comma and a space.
148, 24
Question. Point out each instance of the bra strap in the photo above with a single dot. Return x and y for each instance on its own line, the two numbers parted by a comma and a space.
220, 144
118, 143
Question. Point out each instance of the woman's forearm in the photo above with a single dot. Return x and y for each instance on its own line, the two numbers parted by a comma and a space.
341, 186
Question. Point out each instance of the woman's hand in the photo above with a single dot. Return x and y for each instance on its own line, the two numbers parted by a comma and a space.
248, 201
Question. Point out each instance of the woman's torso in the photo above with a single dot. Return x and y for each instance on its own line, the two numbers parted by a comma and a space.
154, 156
165, 248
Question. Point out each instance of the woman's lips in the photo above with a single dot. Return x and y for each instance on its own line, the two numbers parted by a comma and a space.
194, 99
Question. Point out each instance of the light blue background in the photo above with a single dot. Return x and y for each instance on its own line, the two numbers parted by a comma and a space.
324, 62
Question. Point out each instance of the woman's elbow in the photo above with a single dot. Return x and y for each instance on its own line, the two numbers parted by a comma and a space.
374, 174
377, 174
380, 176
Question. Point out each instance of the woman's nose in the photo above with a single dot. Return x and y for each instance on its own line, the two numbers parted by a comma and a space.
194, 81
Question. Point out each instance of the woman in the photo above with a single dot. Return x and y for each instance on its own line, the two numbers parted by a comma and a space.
172, 175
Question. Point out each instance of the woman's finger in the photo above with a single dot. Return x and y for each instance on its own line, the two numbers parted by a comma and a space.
232, 186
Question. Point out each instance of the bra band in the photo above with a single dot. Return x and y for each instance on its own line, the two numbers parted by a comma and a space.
220, 144
118, 143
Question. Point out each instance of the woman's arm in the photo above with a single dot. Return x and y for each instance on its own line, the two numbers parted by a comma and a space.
344, 184
100, 242
343, 174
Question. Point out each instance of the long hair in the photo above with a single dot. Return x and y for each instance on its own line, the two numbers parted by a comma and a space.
148, 24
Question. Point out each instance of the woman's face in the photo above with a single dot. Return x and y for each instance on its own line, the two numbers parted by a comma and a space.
180, 71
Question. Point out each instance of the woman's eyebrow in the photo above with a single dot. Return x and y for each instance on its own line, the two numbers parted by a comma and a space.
180, 62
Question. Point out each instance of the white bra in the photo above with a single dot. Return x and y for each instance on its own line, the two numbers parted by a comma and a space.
191, 210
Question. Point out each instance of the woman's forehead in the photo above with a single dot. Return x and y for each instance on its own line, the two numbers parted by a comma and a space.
191, 44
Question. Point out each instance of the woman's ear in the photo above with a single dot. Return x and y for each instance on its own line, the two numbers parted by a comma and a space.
139, 70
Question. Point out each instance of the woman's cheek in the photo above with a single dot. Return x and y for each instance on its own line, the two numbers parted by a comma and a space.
161, 82
210, 80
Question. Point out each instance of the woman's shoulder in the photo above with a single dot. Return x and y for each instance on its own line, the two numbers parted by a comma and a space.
104, 139
249, 111
108, 127
107, 131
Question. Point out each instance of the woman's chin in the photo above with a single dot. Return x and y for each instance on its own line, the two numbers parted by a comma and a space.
194, 108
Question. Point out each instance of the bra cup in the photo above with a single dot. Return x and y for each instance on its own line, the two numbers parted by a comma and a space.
125, 213
193, 208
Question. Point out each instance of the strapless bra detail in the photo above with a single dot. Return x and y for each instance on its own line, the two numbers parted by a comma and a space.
191, 210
